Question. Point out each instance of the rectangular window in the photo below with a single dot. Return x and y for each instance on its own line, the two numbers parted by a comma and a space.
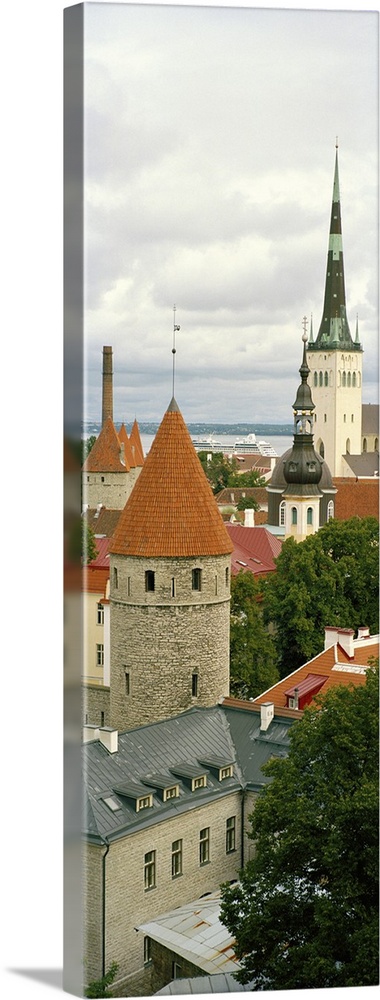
176, 858
216, 585
227, 576
149, 580
204, 846
230, 834
194, 686
102, 719
225, 772
115, 578
144, 802
196, 577
173, 587
127, 682
99, 654
129, 587
150, 870
198, 782
147, 950
100, 614
171, 793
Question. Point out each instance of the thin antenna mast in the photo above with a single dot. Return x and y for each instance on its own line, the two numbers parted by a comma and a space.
175, 328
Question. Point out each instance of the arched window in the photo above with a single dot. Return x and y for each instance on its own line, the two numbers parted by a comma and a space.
309, 515
322, 449
294, 515
349, 379
282, 512
321, 378
330, 509
315, 378
348, 446
354, 379
326, 378
364, 444
343, 378
376, 444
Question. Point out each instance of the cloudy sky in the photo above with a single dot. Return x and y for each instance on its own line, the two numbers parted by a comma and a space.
209, 157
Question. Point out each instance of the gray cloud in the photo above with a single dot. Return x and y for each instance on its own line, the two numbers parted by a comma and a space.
209, 151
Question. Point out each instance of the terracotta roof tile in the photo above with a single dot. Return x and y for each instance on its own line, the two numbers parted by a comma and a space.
171, 510
136, 444
356, 496
323, 665
105, 453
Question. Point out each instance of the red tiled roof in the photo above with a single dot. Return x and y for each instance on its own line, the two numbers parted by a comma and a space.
256, 548
171, 510
356, 496
323, 664
102, 520
95, 579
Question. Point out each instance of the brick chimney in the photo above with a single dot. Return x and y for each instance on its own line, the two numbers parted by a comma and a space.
107, 387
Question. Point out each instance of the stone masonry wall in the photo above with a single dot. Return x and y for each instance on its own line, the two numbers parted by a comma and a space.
128, 904
160, 639
109, 488
162, 967
96, 705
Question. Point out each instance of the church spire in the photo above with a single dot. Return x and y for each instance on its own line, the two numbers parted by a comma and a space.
334, 331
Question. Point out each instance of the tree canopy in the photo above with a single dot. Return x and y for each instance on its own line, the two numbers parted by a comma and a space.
222, 471
331, 578
252, 651
305, 913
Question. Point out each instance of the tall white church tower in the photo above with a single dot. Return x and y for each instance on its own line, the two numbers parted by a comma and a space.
335, 360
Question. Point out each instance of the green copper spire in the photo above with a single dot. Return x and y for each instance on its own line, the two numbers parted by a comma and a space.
334, 331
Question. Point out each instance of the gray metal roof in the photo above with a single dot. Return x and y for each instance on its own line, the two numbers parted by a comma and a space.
364, 465
195, 933
221, 982
162, 755
370, 418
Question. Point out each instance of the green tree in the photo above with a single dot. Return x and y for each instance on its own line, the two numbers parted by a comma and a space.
217, 469
99, 987
252, 651
81, 546
331, 578
305, 913
251, 478
247, 503
87, 445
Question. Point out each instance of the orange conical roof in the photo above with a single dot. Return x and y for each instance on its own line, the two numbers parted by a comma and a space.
105, 455
171, 510
130, 458
136, 445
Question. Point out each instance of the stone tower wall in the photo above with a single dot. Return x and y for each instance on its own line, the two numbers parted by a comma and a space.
109, 488
338, 405
170, 645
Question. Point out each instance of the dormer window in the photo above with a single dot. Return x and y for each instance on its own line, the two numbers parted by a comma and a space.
200, 782
225, 772
171, 793
144, 802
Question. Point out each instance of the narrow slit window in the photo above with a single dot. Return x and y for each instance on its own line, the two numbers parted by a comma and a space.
149, 580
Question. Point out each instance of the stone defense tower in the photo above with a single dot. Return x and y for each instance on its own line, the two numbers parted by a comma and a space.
169, 587
335, 360
107, 385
